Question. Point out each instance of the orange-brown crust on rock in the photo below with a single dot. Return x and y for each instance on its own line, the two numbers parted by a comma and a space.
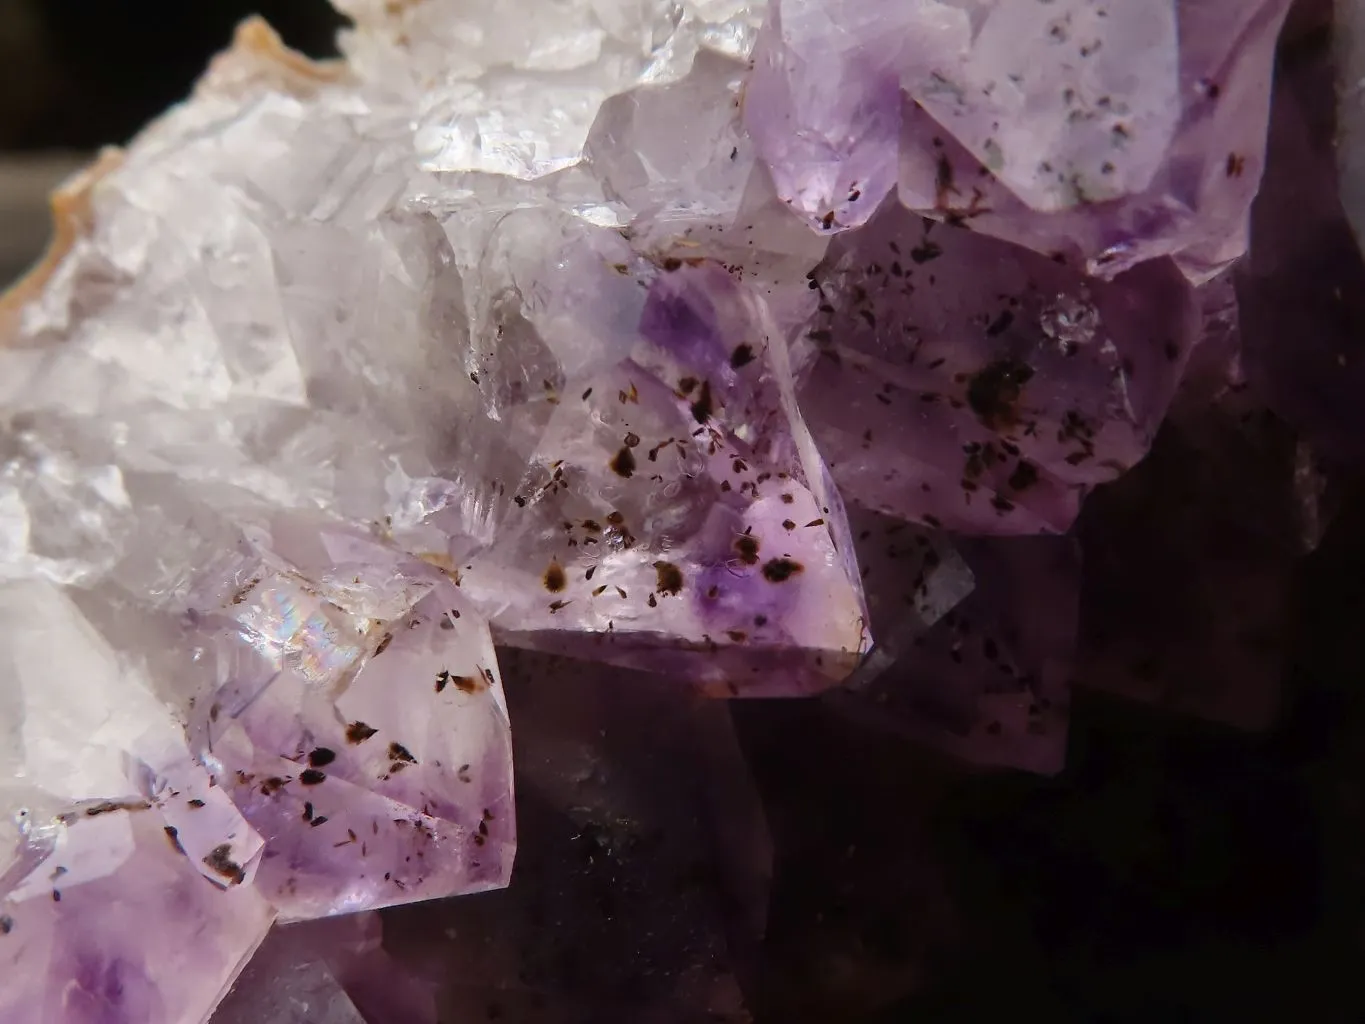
70, 203
258, 56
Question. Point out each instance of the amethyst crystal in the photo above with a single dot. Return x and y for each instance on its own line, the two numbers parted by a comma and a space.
686, 349
960, 382
1082, 164
650, 527
1023, 120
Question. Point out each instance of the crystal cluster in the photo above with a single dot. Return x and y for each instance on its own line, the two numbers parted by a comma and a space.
712, 348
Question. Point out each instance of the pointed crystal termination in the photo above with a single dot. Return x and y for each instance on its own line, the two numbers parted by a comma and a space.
1037, 134
368, 746
675, 516
68, 954
961, 382
1024, 120
824, 102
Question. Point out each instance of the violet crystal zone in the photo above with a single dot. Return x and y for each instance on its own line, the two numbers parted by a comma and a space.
712, 348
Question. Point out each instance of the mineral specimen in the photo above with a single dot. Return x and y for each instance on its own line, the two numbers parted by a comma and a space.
599, 332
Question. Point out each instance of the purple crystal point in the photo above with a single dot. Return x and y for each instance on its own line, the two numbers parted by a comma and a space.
1009, 100
675, 515
823, 102
68, 954
1042, 135
961, 382
372, 753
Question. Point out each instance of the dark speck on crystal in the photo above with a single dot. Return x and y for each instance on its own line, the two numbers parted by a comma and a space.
669, 578
359, 732
1000, 324
272, 785
702, 408
746, 548
742, 356
465, 684
221, 863
623, 463
926, 251
994, 392
173, 837
779, 570
1025, 475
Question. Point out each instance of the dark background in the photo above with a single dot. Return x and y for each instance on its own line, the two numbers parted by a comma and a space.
1177, 871
78, 74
